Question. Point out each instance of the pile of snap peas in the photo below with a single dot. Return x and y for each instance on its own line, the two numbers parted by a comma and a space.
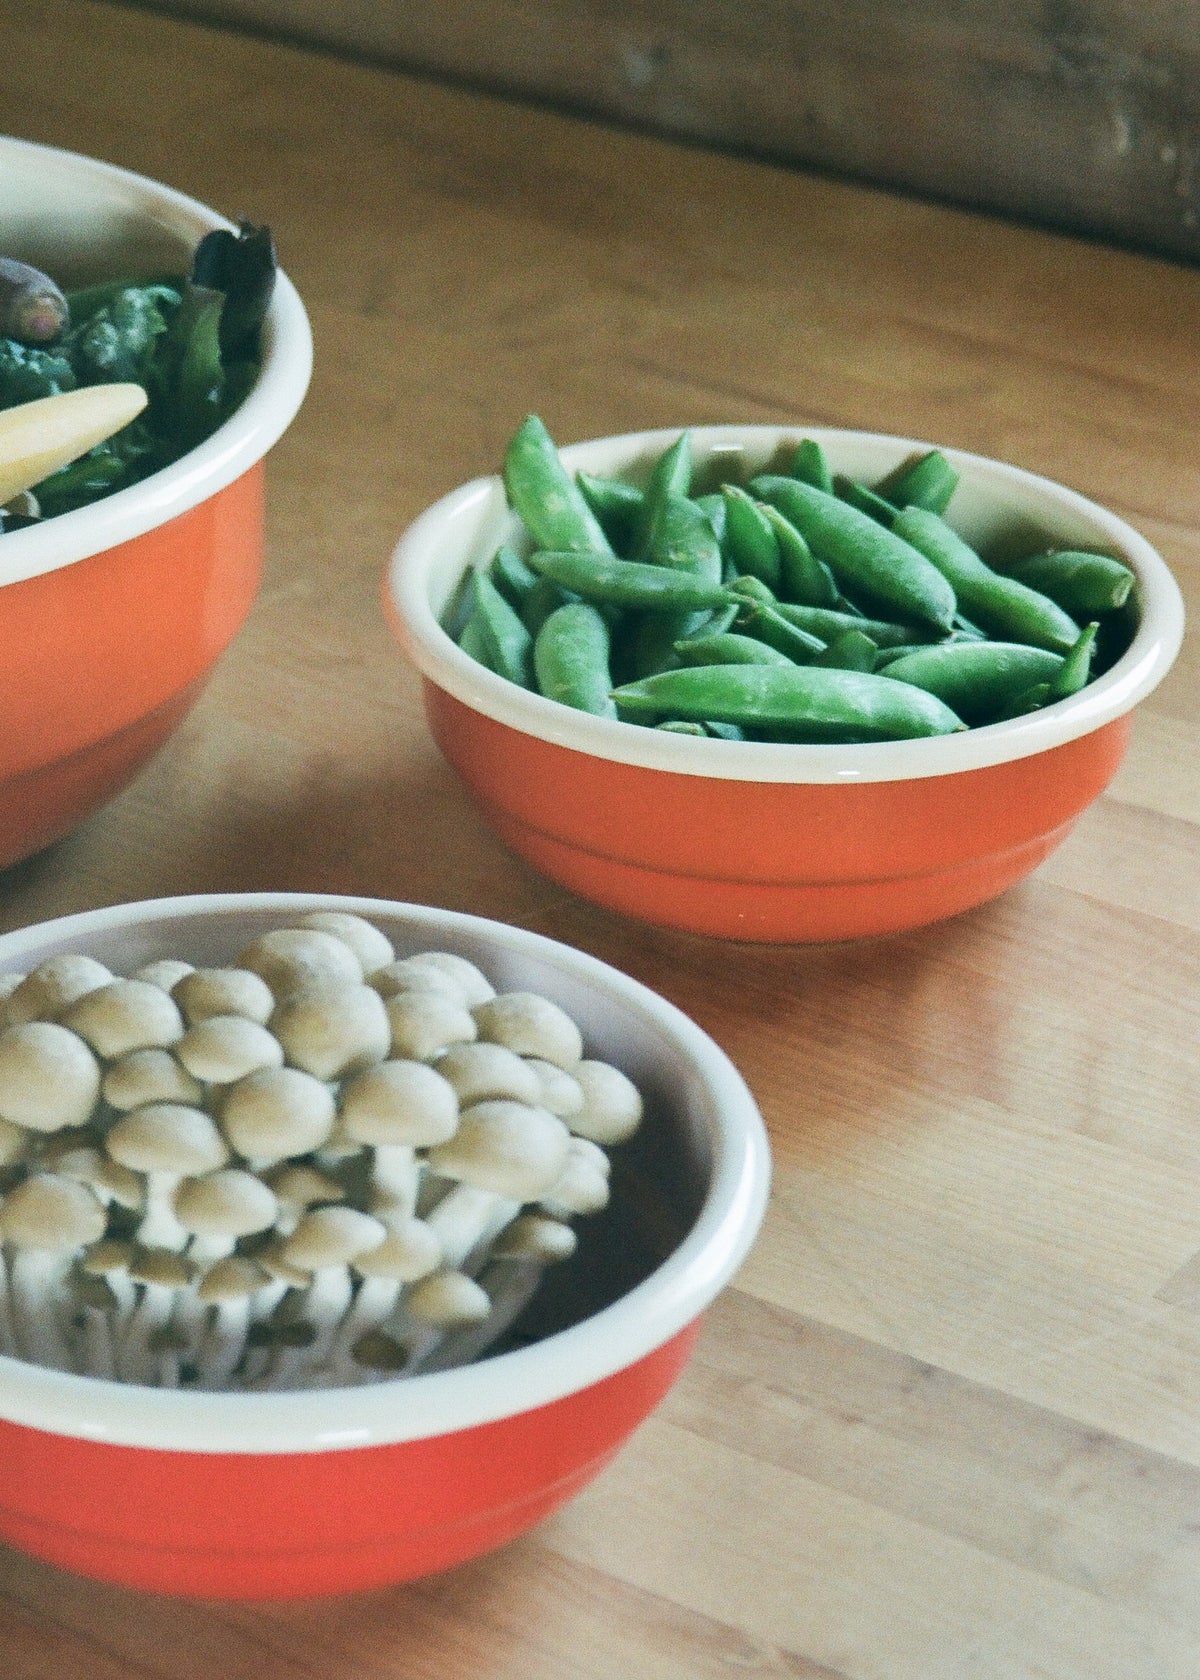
801, 607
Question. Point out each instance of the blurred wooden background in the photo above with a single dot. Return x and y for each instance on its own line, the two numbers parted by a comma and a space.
1083, 114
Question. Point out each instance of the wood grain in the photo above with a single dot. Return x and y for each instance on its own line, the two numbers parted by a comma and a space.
946, 1426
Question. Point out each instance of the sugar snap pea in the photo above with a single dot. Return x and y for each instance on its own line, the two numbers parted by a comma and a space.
509, 642
570, 659
671, 476
851, 651
474, 642
864, 499
714, 506
767, 624
729, 649
750, 539
802, 576
615, 504
928, 482
829, 705
682, 539
1085, 585
545, 496
511, 576
626, 583
828, 623
978, 680
866, 559
1077, 664
1001, 606
810, 465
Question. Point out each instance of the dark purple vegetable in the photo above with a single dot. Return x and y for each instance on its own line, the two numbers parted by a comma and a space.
32, 309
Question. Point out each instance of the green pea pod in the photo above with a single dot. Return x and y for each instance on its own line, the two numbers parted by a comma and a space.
1084, 585
851, 651
474, 641
753, 588
864, 499
1032, 700
1077, 665
1002, 607
682, 539
626, 583
541, 601
511, 576
829, 624
866, 559
714, 507
546, 497
829, 705
617, 505
928, 482
810, 466
767, 624
509, 642
802, 577
729, 649
978, 680
672, 476
750, 539
570, 659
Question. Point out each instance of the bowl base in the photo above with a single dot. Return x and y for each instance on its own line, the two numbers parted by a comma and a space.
767, 912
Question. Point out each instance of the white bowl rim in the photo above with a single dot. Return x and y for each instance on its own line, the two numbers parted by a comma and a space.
1128, 681
243, 439
445, 1402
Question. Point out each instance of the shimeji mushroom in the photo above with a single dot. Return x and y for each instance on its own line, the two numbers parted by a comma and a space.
144, 1356
435, 971
612, 1104
442, 1302
426, 1023
288, 958
372, 948
49, 1079
224, 991
52, 987
518, 1259
221, 1049
583, 1184
410, 1251
502, 1155
479, 1070
394, 1109
93, 1317
125, 1015
110, 1259
298, 1186
558, 1090
167, 1142
165, 972
107, 1179
47, 1220
8, 985
13, 1143
217, 1210
228, 1289
276, 1114
332, 1031
325, 1242
148, 1076
532, 1026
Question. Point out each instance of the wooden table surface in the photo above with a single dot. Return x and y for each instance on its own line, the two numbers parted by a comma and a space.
946, 1423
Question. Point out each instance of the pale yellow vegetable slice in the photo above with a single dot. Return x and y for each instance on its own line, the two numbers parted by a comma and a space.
37, 438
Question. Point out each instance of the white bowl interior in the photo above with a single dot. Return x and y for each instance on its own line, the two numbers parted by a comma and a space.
1000, 509
692, 1189
84, 221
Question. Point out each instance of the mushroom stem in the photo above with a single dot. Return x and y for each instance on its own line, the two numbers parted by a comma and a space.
510, 1284
37, 1276
8, 1340
467, 1220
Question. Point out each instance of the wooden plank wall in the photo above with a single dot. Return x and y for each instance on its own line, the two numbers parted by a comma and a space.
1084, 114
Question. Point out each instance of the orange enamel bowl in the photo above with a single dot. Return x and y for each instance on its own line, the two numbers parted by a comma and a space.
112, 616
755, 841
276, 1495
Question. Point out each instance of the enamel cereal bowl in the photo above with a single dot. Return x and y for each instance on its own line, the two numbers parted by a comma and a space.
757, 841
287, 1494
113, 615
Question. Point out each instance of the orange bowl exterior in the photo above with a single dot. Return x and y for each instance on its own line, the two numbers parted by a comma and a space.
100, 659
772, 861
285, 1525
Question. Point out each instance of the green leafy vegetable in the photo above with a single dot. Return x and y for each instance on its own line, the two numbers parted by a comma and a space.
27, 373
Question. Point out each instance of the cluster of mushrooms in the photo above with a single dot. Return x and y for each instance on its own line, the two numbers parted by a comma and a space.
320, 1166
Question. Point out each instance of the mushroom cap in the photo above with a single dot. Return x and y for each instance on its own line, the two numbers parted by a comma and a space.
168, 1138
148, 1076
13, 1142
399, 1102
288, 958
276, 1113
232, 1279
8, 985
223, 1048
89, 1165
372, 948
377, 1351
331, 1236
224, 991
52, 987
507, 1147
48, 1077
332, 1031
166, 972
532, 1026
226, 1203
582, 1186
297, 1184
612, 1104
161, 1266
410, 1250
111, 1254
435, 971
273, 1263
423, 1024
444, 1299
484, 1070
125, 1015
558, 1090
49, 1212
535, 1236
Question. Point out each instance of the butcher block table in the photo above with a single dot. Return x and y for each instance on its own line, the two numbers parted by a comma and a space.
945, 1425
